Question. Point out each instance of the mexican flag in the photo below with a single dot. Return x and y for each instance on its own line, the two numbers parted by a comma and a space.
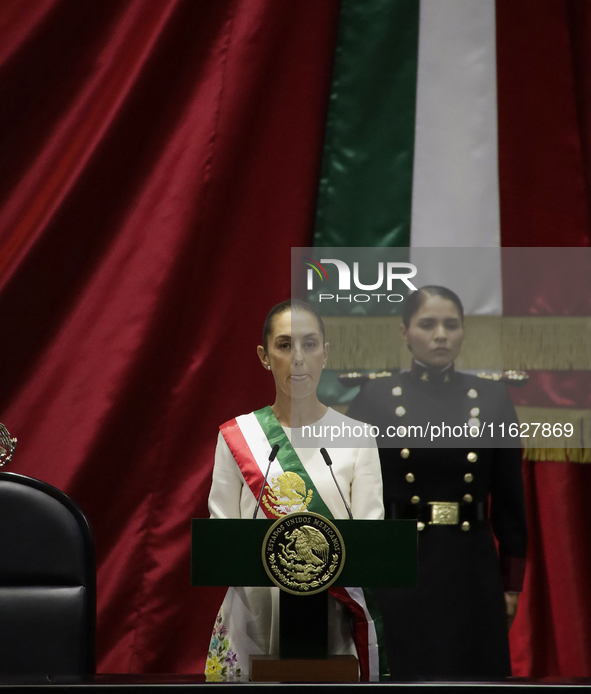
455, 123
464, 124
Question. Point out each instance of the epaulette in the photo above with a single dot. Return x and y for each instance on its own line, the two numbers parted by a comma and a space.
510, 378
353, 379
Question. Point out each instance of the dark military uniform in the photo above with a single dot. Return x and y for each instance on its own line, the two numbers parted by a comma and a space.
453, 626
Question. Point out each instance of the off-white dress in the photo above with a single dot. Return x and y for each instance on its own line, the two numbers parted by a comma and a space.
248, 620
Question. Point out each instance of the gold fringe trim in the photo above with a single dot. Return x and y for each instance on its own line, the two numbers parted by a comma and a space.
490, 342
558, 455
541, 343
574, 449
363, 343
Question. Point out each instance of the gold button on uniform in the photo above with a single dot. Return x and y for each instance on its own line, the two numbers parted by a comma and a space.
415, 499
397, 391
468, 498
400, 411
404, 453
474, 412
465, 525
409, 477
420, 526
472, 393
472, 457
474, 422
468, 477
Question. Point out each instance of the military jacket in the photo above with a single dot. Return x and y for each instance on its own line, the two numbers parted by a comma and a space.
430, 464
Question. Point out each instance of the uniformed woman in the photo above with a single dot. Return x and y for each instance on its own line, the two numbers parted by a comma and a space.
454, 625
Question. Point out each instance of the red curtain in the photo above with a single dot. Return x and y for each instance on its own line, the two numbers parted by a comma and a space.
542, 157
159, 158
551, 635
544, 106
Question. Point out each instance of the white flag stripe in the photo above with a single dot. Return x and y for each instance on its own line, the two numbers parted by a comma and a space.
455, 199
372, 636
259, 445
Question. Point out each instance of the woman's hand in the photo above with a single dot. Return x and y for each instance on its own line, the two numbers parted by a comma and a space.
511, 600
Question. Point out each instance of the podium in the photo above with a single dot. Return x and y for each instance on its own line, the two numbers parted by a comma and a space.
378, 554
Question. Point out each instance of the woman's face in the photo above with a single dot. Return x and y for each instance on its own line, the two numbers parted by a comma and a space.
435, 333
295, 353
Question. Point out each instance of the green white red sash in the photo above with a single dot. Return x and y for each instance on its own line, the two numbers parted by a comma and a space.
289, 488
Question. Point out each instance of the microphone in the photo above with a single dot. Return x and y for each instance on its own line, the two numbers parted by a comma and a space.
272, 457
328, 461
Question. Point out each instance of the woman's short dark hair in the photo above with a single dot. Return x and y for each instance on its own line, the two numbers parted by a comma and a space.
293, 305
415, 300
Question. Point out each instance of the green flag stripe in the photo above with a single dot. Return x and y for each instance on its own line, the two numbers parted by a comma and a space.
289, 459
365, 190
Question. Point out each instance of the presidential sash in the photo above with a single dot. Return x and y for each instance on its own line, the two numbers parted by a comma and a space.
289, 488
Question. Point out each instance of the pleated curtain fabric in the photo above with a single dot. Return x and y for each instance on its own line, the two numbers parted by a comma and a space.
159, 159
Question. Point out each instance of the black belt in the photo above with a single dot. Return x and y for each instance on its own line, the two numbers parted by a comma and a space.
441, 512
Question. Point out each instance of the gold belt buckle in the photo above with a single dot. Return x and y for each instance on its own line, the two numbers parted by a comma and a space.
444, 513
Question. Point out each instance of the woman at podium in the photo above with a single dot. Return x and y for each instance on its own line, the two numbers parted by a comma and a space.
455, 624
295, 352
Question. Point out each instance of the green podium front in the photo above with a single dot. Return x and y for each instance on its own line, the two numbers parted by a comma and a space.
377, 554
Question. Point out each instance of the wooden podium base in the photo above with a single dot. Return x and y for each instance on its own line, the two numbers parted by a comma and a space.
336, 668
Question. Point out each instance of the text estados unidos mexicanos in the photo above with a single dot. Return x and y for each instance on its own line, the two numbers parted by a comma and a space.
438, 431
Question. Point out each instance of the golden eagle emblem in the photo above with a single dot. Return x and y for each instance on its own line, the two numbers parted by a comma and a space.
303, 552
310, 544
288, 494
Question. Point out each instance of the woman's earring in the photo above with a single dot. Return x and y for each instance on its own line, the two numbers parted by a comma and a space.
269, 368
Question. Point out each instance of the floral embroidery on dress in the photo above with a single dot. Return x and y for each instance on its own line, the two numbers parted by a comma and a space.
221, 663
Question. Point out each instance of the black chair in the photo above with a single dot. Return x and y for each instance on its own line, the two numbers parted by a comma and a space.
47, 582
